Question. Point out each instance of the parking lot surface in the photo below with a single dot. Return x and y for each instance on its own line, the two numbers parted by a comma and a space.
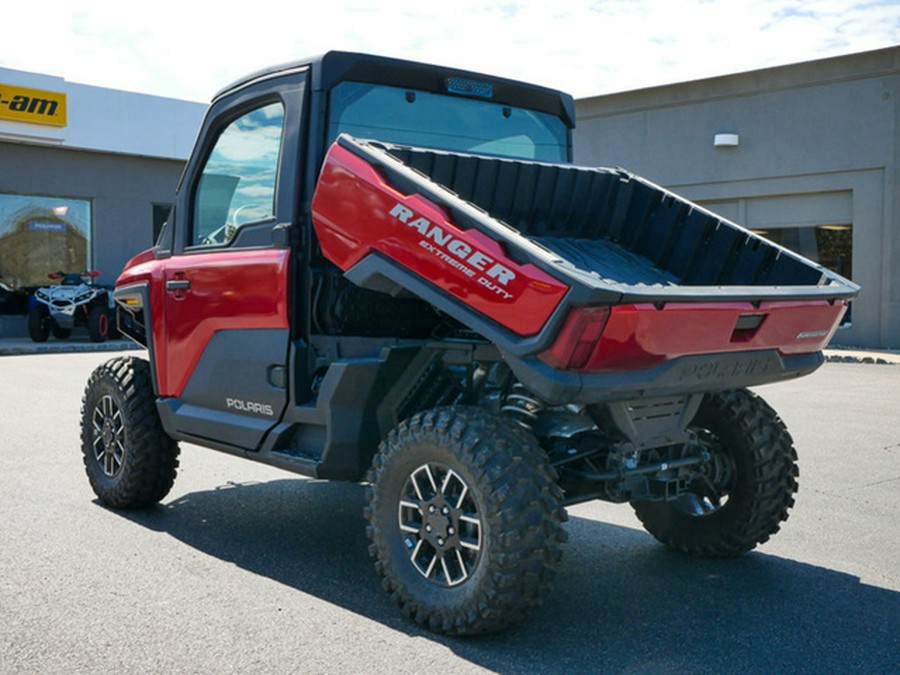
245, 568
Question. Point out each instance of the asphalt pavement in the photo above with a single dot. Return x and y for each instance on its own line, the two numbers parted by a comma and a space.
245, 568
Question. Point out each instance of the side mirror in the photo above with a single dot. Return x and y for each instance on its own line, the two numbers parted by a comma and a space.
281, 235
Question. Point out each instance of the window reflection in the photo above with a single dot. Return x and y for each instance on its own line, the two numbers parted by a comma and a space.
829, 245
445, 122
238, 182
39, 235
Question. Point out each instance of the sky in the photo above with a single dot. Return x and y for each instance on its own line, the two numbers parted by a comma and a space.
190, 49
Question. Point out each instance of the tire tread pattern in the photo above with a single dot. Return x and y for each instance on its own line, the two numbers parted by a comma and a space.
151, 456
524, 517
766, 497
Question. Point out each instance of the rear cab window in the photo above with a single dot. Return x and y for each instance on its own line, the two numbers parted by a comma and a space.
445, 122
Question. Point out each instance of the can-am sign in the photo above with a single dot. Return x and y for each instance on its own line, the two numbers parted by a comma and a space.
33, 106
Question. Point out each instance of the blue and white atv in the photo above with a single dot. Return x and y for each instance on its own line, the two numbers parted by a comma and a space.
75, 301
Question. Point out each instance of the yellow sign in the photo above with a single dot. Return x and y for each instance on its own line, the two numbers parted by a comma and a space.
33, 106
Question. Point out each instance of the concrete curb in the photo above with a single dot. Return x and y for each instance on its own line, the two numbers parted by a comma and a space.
24, 346
847, 354
838, 357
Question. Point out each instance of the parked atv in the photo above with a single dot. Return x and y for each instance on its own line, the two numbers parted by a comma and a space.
75, 301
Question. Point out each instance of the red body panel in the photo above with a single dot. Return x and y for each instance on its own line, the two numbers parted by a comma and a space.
641, 336
139, 259
229, 290
145, 268
357, 212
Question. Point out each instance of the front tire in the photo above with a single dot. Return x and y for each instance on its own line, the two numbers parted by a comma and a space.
129, 459
59, 332
39, 323
745, 489
465, 520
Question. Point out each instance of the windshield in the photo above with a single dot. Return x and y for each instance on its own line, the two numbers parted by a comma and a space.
445, 122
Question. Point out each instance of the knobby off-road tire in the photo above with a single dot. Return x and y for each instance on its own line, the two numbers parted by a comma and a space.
465, 520
38, 324
749, 484
130, 461
98, 323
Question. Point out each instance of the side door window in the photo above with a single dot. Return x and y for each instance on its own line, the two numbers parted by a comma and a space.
238, 184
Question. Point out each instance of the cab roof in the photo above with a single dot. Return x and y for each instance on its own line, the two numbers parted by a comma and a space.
331, 68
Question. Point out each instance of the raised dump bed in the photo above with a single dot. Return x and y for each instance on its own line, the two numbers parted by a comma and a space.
619, 226
515, 249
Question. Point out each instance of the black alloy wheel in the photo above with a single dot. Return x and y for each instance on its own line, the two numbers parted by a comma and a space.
442, 524
109, 436
465, 520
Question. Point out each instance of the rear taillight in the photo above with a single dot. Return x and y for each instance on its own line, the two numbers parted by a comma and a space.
576, 341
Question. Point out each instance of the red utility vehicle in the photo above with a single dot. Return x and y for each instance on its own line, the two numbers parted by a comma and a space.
390, 272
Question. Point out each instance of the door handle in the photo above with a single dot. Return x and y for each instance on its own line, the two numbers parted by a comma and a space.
178, 284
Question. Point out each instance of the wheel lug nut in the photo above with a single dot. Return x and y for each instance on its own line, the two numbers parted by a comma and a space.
428, 528
451, 531
440, 541
445, 510
431, 509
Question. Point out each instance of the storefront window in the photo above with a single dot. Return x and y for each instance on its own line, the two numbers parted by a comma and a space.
829, 245
835, 244
39, 235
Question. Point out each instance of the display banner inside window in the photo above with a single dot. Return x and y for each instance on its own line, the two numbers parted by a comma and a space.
40, 235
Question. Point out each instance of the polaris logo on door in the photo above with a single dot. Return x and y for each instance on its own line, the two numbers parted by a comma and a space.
458, 253
250, 406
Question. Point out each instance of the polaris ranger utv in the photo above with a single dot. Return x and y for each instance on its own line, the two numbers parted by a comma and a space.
389, 272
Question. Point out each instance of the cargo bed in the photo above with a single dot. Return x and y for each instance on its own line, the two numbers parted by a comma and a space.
516, 249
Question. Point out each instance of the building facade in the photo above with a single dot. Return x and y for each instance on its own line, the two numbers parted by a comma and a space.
807, 154
87, 175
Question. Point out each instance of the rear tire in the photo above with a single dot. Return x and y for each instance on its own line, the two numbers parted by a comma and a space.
747, 487
112, 319
39, 323
98, 323
465, 520
129, 459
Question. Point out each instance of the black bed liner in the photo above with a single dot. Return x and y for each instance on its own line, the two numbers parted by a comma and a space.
617, 233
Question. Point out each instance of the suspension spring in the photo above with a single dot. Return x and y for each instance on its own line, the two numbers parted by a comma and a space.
522, 406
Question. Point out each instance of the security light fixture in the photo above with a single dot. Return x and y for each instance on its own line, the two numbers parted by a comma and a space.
726, 140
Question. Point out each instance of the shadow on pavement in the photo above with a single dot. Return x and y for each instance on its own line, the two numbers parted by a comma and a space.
621, 603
